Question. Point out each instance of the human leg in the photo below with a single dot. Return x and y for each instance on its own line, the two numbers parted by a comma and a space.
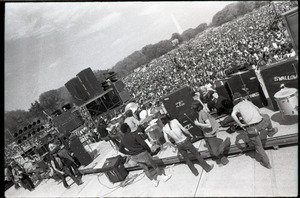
267, 125
190, 147
63, 178
184, 154
256, 141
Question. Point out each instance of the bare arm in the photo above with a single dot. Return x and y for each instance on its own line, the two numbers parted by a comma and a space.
234, 116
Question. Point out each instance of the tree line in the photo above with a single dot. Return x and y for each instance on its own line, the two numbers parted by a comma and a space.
52, 100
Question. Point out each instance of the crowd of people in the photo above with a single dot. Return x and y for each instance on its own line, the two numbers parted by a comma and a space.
256, 39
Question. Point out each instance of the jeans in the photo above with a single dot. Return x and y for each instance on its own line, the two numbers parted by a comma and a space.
183, 149
216, 146
146, 161
253, 134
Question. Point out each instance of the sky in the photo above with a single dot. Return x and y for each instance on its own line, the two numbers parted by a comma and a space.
47, 44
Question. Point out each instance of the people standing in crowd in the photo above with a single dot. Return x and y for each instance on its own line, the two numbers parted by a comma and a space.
132, 122
69, 165
9, 175
173, 129
133, 144
210, 127
22, 178
57, 167
254, 122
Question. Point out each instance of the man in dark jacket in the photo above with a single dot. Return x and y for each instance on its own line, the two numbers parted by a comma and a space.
133, 144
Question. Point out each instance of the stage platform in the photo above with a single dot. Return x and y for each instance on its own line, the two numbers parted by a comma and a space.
242, 176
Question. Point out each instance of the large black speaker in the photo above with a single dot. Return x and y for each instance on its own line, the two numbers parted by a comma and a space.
79, 151
68, 121
89, 80
222, 88
179, 102
290, 19
274, 75
114, 169
187, 121
247, 84
77, 91
121, 90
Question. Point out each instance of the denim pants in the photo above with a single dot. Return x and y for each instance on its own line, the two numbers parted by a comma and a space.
146, 161
183, 149
253, 134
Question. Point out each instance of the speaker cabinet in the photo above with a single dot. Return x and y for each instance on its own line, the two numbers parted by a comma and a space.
222, 88
114, 169
121, 90
80, 153
247, 84
90, 82
274, 75
290, 19
178, 102
77, 91
68, 121
187, 121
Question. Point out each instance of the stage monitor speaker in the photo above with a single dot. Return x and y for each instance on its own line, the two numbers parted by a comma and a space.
290, 19
77, 91
222, 88
89, 80
114, 169
178, 102
247, 84
274, 75
80, 153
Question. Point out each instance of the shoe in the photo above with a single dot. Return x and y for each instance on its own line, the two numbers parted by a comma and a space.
195, 172
211, 167
155, 182
268, 166
67, 187
230, 130
224, 160
79, 183
272, 132
166, 177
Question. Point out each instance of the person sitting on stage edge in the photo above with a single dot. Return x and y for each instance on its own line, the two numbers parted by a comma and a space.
172, 128
132, 144
254, 123
210, 127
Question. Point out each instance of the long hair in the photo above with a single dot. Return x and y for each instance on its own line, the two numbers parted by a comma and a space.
166, 119
196, 106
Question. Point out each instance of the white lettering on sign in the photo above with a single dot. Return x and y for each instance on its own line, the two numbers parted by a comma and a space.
287, 77
188, 126
179, 104
254, 95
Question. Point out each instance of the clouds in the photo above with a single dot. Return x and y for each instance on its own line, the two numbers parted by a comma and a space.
46, 44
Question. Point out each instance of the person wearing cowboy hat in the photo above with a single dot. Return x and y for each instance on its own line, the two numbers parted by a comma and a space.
253, 123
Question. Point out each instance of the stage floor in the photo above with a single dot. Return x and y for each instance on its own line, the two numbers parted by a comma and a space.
242, 176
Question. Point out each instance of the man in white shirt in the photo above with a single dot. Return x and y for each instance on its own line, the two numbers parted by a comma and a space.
254, 123
173, 129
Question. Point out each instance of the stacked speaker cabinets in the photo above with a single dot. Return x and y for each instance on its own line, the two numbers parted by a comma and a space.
290, 19
80, 153
90, 82
222, 88
285, 72
247, 84
178, 105
121, 90
77, 91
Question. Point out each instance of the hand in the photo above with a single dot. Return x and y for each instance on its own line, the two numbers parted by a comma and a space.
196, 122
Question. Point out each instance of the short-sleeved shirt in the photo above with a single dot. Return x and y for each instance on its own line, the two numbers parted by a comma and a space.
133, 123
208, 132
249, 112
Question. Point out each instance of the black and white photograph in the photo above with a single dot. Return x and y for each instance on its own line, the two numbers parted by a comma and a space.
150, 99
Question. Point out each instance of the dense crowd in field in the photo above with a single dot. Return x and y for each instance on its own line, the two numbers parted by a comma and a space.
256, 39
